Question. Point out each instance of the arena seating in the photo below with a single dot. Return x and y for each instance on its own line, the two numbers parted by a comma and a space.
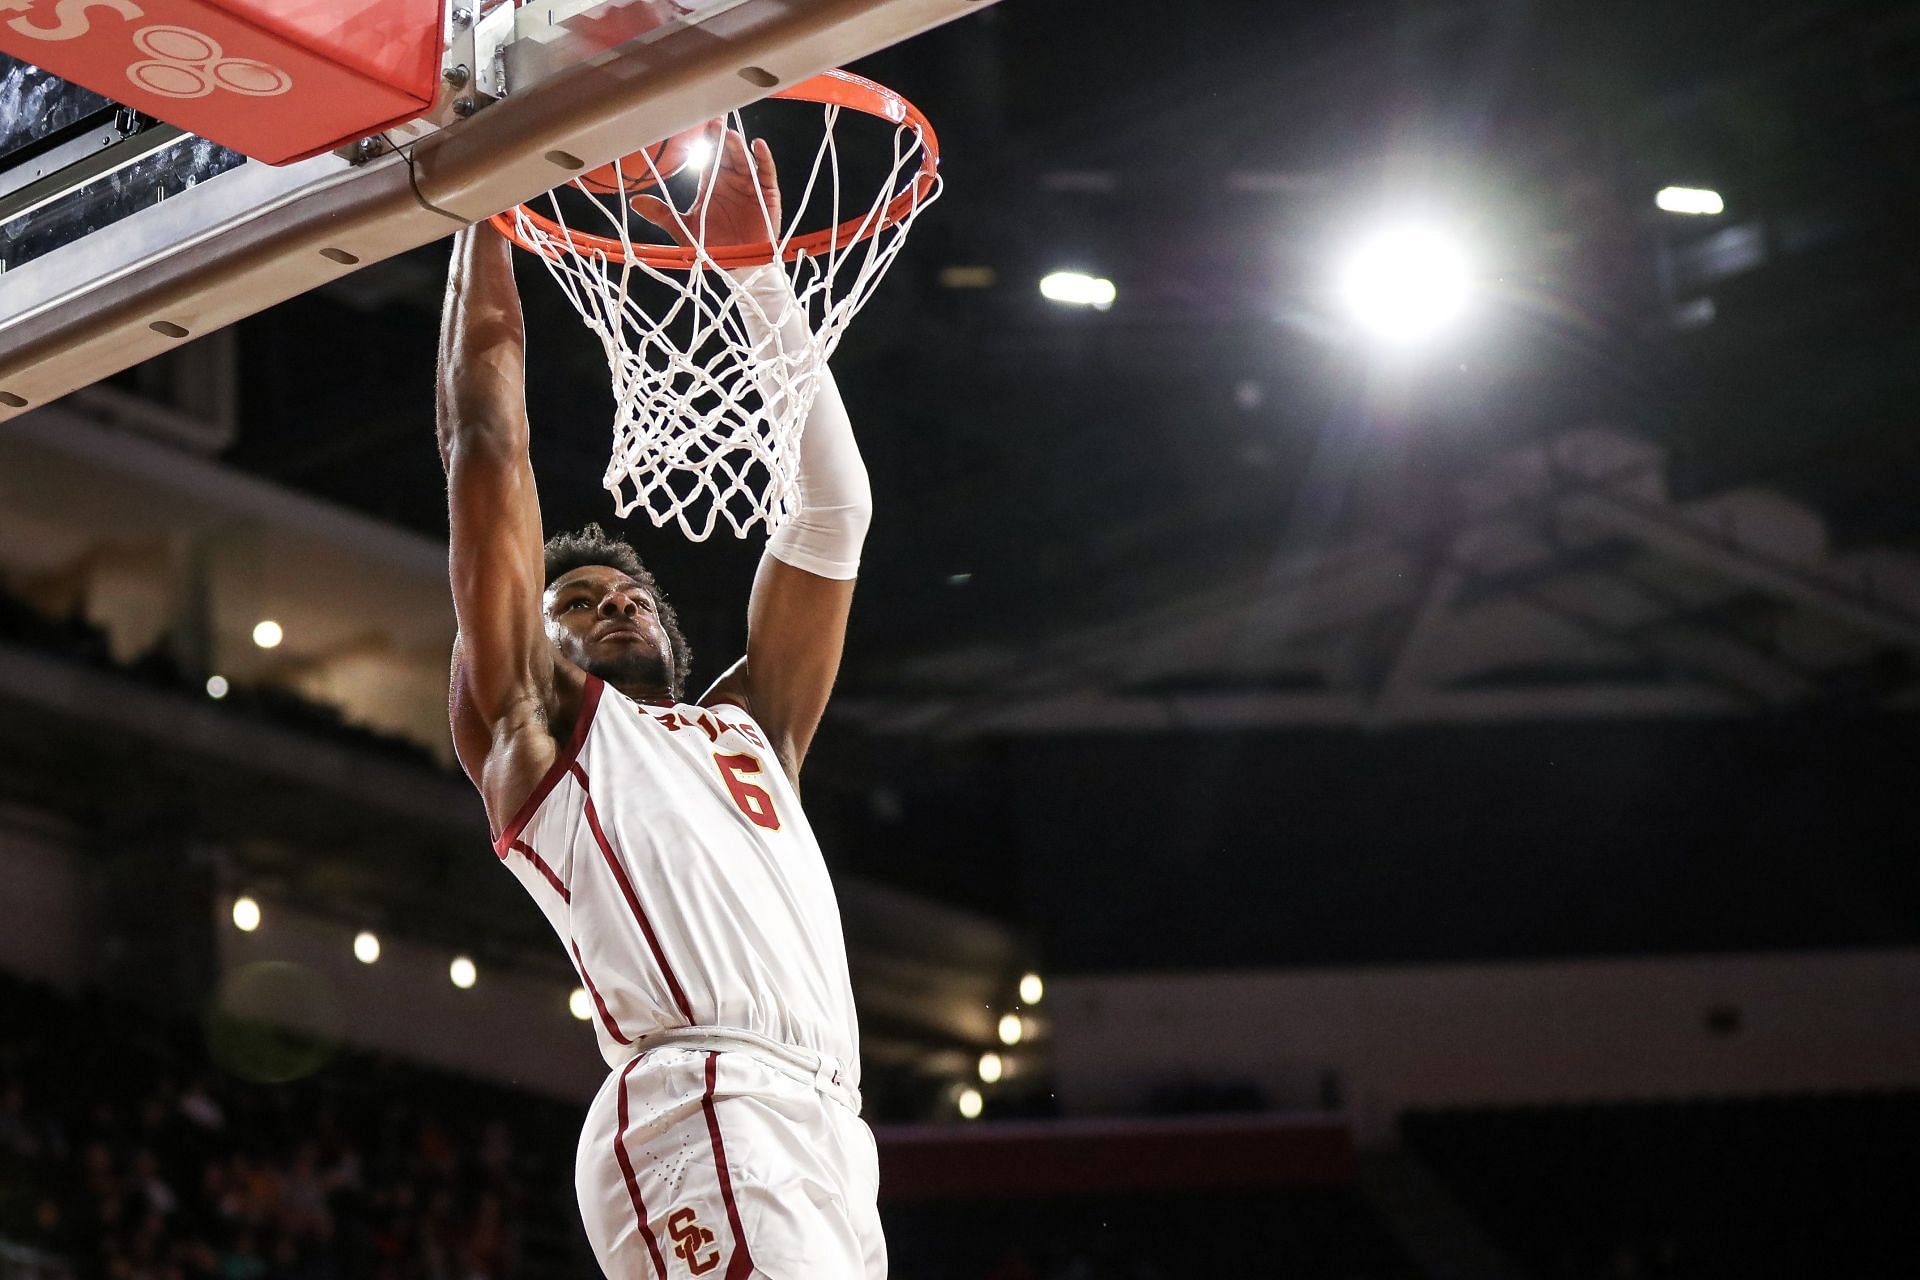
123, 1152
126, 1154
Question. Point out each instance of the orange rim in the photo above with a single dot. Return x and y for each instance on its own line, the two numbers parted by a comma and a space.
829, 88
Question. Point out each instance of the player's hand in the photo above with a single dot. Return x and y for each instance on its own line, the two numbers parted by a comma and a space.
739, 199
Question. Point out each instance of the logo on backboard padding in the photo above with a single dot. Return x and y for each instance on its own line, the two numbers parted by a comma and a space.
180, 62
689, 1238
184, 63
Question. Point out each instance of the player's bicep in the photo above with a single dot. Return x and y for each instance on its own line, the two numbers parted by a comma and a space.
495, 561
796, 630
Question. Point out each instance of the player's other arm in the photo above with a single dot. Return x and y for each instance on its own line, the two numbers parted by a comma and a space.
504, 667
797, 615
803, 591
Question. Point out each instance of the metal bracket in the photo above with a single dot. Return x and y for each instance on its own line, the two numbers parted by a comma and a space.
473, 73
491, 36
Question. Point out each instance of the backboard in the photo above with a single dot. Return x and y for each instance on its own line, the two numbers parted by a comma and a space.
121, 236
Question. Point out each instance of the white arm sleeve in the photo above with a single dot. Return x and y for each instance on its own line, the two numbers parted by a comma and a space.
836, 502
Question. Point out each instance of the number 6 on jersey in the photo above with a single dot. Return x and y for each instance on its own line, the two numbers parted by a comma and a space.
753, 800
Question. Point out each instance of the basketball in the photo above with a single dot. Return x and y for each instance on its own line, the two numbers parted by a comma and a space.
646, 168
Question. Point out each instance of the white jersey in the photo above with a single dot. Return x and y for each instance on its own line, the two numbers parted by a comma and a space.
668, 851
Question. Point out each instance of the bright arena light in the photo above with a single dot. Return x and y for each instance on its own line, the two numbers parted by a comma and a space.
1011, 1029
970, 1103
1077, 289
246, 914
579, 1004
463, 973
1694, 200
1405, 284
366, 947
1031, 989
216, 686
267, 633
991, 1068
698, 153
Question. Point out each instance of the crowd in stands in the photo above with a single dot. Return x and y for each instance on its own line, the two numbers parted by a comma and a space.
126, 1155
128, 1152
1802, 1186
74, 639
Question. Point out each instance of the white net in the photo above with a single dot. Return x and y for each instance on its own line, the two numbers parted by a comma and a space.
713, 372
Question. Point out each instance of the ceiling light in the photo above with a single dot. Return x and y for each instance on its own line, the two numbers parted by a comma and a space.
246, 914
1405, 284
1077, 289
1691, 200
1032, 989
579, 1004
1011, 1029
267, 633
366, 947
463, 973
991, 1068
970, 1103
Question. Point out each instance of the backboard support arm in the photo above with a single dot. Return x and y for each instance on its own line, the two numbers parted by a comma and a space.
255, 236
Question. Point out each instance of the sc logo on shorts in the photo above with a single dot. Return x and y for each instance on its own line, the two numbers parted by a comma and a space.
689, 1238
180, 62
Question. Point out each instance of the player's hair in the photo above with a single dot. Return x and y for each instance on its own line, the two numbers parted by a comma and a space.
593, 546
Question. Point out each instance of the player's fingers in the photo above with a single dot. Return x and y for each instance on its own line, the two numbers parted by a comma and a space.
733, 152
662, 215
769, 180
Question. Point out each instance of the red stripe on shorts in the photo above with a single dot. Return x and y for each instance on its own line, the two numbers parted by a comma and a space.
740, 1266
633, 1185
633, 899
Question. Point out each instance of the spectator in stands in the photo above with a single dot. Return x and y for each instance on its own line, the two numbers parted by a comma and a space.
182, 1177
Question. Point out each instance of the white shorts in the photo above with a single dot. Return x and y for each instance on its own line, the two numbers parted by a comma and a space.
711, 1154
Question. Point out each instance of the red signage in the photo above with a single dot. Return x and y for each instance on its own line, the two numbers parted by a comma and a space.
276, 80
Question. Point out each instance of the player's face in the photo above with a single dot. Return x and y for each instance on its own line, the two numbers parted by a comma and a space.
608, 625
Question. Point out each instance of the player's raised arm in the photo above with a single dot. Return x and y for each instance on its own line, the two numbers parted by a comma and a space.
803, 591
504, 666
797, 616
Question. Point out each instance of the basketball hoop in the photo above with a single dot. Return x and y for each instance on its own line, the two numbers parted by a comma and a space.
716, 351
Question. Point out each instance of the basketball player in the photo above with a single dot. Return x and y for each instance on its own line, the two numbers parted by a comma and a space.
663, 837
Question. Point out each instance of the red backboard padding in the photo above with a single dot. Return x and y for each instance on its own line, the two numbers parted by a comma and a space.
276, 80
